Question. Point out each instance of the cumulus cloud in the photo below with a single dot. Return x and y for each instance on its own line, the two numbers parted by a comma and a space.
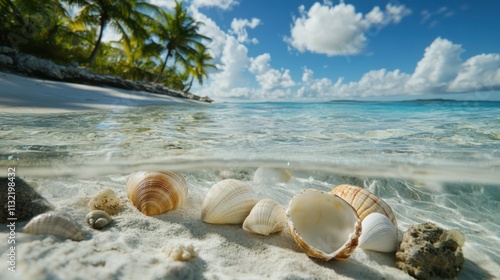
221, 4
268, 77
480, 72
437, 68
441, 70
234, 61
239, 29
210, 29
339, 30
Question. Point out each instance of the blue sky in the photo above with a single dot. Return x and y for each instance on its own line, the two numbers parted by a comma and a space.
287, 50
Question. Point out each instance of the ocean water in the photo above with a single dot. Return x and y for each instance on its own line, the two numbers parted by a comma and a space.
436, 161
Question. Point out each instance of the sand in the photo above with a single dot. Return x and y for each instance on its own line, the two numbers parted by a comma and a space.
19, 94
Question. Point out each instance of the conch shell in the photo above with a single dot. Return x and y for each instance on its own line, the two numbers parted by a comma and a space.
365, 202
323, 225
378, 234
53, 224
267, 216
105, 200
228, 202
154, 193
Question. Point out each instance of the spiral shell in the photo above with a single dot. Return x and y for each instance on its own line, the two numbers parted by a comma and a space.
154, 193
365, 202
98, 219
378, 234
267, 216
53, 224
228, 202
323, 225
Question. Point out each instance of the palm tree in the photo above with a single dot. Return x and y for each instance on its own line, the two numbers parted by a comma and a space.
127, 17
201, 60
180, 33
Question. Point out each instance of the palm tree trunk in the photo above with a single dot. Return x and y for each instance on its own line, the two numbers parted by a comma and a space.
190, 84
98, 43
158, 78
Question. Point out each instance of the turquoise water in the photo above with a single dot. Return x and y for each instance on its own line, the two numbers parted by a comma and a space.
446, 140
435, 161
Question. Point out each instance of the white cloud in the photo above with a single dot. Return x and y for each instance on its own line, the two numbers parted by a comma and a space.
222, 4
210, 29
437, 68
480, 72
267, 77
339, 30
234, 61
239, 28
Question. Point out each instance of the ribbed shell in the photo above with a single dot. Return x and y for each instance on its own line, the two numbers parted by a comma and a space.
323, 225
53, 224
365, 202
154, 193
228, 202
267, 216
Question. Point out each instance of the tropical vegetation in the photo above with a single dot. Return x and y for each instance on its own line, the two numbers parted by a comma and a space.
155, 45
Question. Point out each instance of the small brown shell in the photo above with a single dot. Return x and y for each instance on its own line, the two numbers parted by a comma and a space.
98, 219
53, 224
365, 202
105, 200
154, 193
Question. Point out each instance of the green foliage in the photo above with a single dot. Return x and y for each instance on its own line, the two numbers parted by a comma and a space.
72, 30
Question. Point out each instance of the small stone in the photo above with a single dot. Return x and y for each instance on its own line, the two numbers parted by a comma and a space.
6, 60
28, 202
427, 251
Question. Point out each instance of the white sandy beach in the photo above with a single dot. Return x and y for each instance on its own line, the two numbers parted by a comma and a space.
133, 246
19, 94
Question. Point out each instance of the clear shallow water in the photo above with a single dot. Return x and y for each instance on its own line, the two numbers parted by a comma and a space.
431, 161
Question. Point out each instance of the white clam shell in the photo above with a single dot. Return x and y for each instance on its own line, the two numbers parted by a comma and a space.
323, 225
266, 217
53, 224
154, 193
378, 234
228, 202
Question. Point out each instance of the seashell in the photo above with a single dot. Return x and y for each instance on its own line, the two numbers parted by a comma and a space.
267, 216
181, 253
105, 200
53, 224
228, 202
323, 225
378, 234
268, 175
154, 193
98, 219
365, 202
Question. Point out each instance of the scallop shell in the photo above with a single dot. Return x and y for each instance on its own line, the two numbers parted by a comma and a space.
105, 200
365, 202
228, 202
267, 216
154, 193
98, 219
53, 224
323, 225
378, 234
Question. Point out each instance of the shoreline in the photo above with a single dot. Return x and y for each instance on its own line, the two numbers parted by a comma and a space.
23, 95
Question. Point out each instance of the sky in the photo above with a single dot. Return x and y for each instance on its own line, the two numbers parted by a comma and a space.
298, 50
